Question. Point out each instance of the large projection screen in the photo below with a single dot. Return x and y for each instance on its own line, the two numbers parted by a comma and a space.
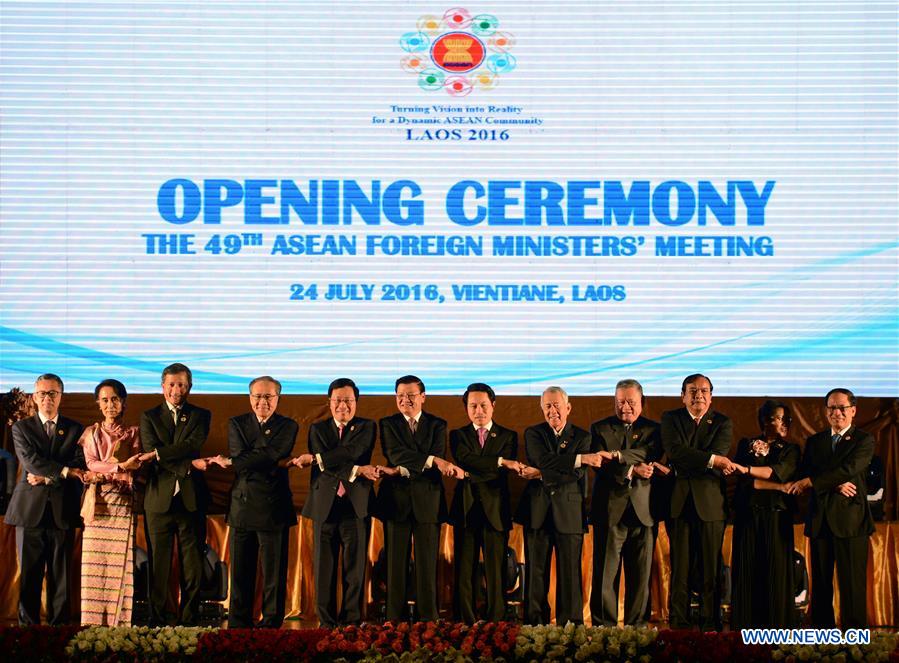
524, 193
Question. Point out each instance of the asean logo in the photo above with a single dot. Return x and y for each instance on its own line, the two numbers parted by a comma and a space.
457, 52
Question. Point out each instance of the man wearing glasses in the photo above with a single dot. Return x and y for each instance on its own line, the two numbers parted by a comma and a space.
340, 503
46, 501
839, 522
261, 511
412, 501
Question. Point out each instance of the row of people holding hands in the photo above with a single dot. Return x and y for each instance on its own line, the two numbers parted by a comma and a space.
690, 447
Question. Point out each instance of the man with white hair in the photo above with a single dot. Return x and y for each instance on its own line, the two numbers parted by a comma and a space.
553, 510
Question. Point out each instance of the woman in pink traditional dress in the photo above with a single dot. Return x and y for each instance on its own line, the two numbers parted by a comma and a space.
107, 556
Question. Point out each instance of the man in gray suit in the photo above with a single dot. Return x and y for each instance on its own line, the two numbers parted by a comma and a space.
629, 443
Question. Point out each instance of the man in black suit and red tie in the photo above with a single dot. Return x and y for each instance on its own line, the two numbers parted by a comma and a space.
172, 435
46, 501
697, 440
553, 510
834, 464
340, 503
261, 507
411, 500
622, 523
481, 511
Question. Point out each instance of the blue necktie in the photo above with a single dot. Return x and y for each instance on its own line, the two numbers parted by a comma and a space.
834, 440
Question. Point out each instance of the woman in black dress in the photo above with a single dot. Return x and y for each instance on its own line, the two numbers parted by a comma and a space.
763, 524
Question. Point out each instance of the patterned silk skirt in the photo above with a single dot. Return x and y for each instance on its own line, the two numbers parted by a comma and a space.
107, 559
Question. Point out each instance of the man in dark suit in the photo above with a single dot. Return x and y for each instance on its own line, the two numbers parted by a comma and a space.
172, 435
46, 501
340, 503
481, 511
697, 440
411, 500
620, 513
261, 511
834, 464
553, 510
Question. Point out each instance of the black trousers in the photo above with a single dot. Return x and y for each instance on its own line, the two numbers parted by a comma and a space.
161, 529
43, 549
539, 545
342, 530
477, 535
628, 543
248, 549
851, 558
426, 537
694, 537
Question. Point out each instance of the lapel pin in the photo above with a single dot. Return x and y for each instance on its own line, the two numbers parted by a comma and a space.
183, 418
563, 444
492, 434
60, 431
635, 436
847, 438
352, 428
708, 421
268, 431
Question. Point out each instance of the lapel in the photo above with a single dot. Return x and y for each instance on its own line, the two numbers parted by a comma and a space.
58, 436
493, 443
165, 418
420, 432
350, 430
565, 439
251, 432
40, 435
183, 420
843, 446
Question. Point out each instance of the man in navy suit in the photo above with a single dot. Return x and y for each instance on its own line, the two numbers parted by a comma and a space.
340, 503
46, 502
261, 511
834, 464
697, 439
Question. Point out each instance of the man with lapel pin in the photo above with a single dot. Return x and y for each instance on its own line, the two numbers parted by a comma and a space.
553, 510
46, 501
622, 524
697, 440
261, 512
172, 435
340, 503
834, 464
481, 511
412, 500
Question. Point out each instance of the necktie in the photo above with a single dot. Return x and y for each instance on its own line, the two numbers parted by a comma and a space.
175, 412
627, 436
482, 436
834, 441
697, 421
49, 428
341, 489
413, 426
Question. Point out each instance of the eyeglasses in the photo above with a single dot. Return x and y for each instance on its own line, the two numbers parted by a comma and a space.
839, 408
343, 401
408, 397
52, 395
268, 398
632, 404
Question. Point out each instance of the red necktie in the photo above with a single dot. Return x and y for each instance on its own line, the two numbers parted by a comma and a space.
341, 489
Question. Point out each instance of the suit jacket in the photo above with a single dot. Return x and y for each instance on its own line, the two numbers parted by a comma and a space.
689, 448
422, 493
260, 496
562, 492
44, 457
339, 455
612, 490
827, 468
177, 447
486, 483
